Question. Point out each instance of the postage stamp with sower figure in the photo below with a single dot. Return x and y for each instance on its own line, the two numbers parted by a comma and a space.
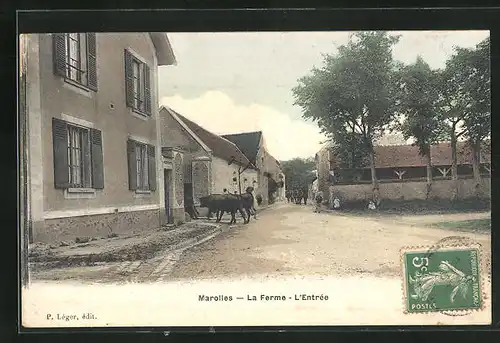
443, 279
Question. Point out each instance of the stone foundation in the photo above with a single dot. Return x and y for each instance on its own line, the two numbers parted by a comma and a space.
101, 225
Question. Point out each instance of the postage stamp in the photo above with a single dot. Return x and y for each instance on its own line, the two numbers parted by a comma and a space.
442, 279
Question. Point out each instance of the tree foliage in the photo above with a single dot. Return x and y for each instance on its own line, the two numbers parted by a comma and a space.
346, 151
465, 100
418, 104
352, 95
298, 172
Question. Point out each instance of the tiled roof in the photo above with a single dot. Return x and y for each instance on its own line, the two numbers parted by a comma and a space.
220, 146
389, 156
247, 142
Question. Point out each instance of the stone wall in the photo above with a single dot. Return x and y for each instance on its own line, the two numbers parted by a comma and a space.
442, 189
201, 179
101, 225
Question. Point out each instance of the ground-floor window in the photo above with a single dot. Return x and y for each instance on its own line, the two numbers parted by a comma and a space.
142, 166
79, 170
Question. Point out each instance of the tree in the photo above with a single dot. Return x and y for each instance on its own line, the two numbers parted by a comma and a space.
353, 92
477, 119
240, 171
465, 102
298, 172
346, 150
418, 106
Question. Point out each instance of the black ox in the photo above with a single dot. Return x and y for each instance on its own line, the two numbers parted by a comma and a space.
231, 203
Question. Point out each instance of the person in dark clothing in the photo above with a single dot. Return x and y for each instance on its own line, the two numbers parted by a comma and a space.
319, 200
305, 195
190, 208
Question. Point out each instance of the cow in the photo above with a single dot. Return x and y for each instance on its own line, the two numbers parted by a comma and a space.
220, 203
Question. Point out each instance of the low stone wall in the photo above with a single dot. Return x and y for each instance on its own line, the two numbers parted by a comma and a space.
441, 189
101, 225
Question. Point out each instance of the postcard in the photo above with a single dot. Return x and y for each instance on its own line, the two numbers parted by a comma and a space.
255, 178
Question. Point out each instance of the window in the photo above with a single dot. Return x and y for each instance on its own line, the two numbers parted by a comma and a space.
79, 172
77, 154
137, 84
142, 167
75, 58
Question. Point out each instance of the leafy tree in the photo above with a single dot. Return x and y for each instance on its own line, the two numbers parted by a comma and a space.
477, 82
353, 92
298, 172
465, 101
347, 152
418, 99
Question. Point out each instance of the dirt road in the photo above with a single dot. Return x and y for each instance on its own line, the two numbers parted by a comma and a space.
286, 240
290, 249
292, 240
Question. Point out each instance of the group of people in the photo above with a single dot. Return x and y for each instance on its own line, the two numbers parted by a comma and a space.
296, 196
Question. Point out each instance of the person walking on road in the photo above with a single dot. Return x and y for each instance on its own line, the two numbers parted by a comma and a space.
319, 199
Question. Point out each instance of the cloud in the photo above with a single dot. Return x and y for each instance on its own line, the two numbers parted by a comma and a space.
215, 111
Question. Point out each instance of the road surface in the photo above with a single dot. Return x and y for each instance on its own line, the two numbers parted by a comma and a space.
287, 240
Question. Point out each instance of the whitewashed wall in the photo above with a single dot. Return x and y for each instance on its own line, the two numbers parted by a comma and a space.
222, 176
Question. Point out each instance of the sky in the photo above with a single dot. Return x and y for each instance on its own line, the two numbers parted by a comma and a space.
241, 82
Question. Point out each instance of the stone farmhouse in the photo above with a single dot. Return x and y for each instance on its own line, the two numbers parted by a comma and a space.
197, 162
271, 183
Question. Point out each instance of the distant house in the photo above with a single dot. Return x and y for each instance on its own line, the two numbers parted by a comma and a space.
271, 179
203, 163
92, 151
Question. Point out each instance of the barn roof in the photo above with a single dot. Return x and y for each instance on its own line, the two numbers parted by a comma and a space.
247, 142
220, 146
391, 156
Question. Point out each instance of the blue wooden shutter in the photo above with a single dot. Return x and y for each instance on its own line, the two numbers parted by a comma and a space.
152, 167
60, 149
147, 89
91, 61
129, 84
97, 159
132, 165
59, 53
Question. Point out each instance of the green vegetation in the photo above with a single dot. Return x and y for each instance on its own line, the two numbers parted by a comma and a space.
361, 92
474, 225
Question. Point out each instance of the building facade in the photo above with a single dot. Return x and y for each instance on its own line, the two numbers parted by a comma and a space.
271, 183
202, 163
93, 146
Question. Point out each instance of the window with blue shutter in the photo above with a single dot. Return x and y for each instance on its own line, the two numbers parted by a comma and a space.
74, 56
137, 84
77, 154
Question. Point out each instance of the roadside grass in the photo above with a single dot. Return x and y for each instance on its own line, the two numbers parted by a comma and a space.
473, 225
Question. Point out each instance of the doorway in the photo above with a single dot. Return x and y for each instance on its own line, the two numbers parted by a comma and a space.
167, 177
